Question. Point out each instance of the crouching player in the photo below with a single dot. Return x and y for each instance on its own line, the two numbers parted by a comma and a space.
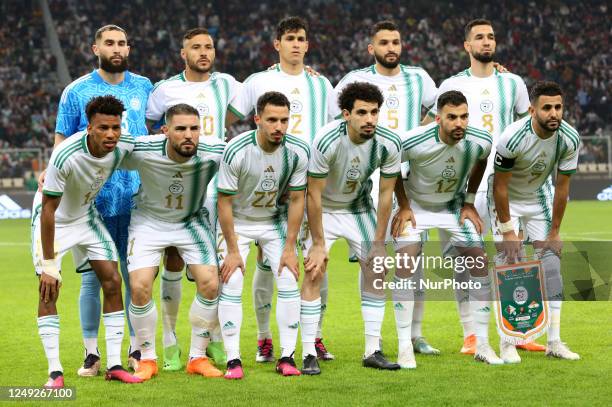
69, 220
260, 171
445, 157
527, 153
175, 169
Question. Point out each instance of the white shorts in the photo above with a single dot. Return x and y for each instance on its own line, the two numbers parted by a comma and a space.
444, 218
270, 237
87, 240
534, 216
357, 229
210, 207
148, 238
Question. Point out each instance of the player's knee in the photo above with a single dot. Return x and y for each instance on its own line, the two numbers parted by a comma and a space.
111, 286
208, 288
141, 292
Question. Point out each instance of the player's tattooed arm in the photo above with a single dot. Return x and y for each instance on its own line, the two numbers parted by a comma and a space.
232, 260
404, 213
294, 222
316, 259
511, 244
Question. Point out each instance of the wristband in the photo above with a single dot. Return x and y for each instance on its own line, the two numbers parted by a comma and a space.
506, 227
470, 197
50, 268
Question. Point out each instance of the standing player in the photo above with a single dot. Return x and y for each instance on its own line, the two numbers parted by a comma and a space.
69, 220
406, 90
115, 199
175, 169
263, 171
528, 152
212, 94
446, 157
495, 100
345, 153
313, 104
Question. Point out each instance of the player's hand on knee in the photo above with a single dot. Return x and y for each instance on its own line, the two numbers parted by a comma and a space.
400, 221
468, 211
231, 262
290, 261
554, 244
48, 288
315, 263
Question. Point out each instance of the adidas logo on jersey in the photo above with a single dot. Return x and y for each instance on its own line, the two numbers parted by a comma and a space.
392, 89
355, 160
269, 169
485, 92
178, 175
451, 160
201, 95
295, 91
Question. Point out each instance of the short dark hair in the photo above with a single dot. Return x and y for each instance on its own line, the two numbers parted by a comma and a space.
291, 24
383, 25
189, 34
359, 91
181, 108
272, 98
452, 97
106, 104
109, 27
474, 23
546, 88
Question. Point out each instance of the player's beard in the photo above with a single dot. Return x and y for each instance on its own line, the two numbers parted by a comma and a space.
549, 125
179, 150
485, 59
366, 136
389, 65
107, 65
194, 67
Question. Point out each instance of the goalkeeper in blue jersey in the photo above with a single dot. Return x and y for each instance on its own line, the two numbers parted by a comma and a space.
114, 202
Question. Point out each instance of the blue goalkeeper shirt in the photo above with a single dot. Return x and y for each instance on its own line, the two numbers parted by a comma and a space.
115, 197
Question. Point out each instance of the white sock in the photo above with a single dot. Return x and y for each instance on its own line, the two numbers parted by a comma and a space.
170, 290
419, 305
551, 266
480, 305
373, 312
263, 289
287, 312
403, 306
203, 316
114, 326
230, 314
324, 291
91, 346
48, 330
462, 297
144, 322
310, 312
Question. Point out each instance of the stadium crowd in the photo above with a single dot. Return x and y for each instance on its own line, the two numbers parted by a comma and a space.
535, 40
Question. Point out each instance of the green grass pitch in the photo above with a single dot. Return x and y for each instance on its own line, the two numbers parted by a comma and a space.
449, 379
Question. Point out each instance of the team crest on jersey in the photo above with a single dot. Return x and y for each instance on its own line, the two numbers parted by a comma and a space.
392, 102
203, 109
295, 106
176, 188
98, 181
486, 106
354, 173
539, 166
135, 104
269, 181
449, 172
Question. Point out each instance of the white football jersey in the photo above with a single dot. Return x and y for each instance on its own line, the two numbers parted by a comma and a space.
171, 191
260, 180
493, 103
404, 94
77, 176
532, 160
439, 172
348, 166
212, 99
313, 99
